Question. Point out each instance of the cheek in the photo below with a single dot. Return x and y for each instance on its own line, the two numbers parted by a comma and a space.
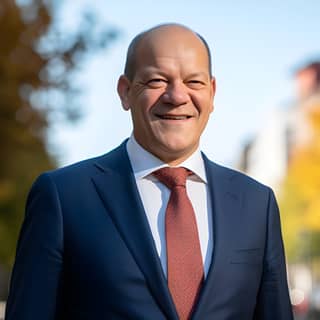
205, 108
208, 103
140, 109
149, 98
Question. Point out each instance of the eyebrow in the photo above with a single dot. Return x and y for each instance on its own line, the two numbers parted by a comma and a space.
163, 73
198, 74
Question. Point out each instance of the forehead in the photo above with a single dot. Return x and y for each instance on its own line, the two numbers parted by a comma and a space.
172, 47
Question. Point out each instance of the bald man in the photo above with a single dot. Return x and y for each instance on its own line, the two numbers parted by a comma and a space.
153, 229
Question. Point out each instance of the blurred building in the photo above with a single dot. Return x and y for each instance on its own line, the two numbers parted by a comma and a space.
266, 156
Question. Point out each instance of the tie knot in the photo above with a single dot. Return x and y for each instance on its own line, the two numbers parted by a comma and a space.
172, 177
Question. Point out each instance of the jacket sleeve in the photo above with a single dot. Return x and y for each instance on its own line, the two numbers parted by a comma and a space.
273, 301
37, 274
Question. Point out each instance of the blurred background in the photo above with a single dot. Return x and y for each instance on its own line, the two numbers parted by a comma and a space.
59, 63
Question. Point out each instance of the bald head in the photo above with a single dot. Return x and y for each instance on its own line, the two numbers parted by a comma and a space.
165, 32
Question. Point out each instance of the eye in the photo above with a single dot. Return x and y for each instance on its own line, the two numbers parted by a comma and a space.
156, 82
195, 83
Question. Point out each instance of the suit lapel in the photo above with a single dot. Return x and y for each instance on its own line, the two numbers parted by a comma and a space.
116, 186
226, 201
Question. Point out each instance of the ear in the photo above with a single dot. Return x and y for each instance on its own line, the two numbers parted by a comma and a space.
213, 88
123, 91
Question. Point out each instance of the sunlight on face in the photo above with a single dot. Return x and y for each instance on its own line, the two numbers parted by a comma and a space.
171, 94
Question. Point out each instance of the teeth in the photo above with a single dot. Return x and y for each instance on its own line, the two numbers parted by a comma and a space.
174, 117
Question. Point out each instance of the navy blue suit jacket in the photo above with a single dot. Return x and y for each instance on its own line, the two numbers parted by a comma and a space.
86, 252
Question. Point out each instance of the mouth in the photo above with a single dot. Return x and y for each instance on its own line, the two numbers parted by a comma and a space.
173, 117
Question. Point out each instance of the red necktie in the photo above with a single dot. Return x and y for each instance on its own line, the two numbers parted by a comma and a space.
184, 261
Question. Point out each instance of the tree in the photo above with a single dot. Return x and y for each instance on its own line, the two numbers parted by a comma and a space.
300, 200
36, 66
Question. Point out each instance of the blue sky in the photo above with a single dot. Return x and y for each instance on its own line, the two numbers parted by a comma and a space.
256, 46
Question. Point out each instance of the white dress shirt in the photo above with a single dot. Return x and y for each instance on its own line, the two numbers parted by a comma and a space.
155, 197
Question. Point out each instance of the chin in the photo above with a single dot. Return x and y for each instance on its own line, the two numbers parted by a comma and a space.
180, 142
179, 149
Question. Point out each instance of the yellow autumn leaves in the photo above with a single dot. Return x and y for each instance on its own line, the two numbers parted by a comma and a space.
300, 194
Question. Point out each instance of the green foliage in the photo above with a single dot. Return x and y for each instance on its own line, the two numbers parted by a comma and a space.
36, 64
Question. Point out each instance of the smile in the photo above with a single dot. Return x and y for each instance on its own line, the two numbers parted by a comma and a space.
173, 117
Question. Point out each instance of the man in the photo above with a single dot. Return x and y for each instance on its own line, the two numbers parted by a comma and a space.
101, 238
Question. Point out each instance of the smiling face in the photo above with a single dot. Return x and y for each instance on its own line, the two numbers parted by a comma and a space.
171, 93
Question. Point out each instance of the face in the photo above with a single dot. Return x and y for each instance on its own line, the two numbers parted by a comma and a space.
171, 94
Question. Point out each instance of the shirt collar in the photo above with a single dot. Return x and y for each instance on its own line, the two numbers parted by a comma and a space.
144, 163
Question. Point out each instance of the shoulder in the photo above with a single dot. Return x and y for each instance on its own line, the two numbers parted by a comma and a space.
238, 179
83, 170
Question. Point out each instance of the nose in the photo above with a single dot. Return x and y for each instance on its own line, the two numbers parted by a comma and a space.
176, 94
